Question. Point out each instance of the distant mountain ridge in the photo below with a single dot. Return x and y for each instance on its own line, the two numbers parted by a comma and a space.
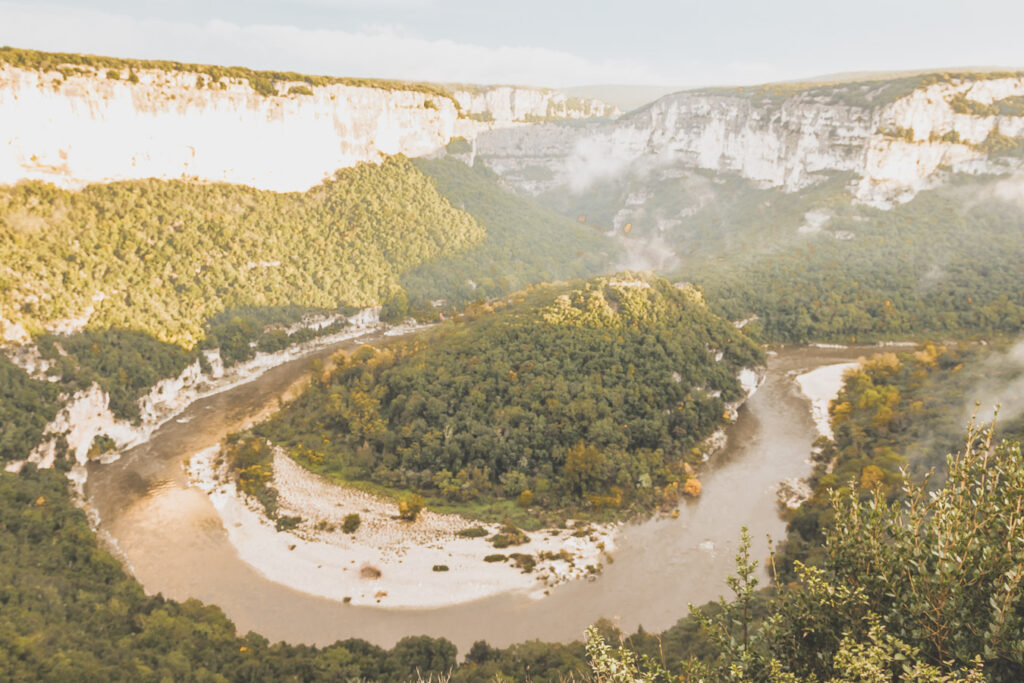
896, 136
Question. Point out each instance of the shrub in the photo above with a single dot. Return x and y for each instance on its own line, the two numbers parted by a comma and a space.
440, 567
410, 505
113, 75
524, 562
509, 535
101, 444
496, 557
692, 487
300, 90
473, 532
287, 522
351, 523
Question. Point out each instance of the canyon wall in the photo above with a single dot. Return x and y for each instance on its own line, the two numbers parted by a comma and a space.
894, 142
83, 125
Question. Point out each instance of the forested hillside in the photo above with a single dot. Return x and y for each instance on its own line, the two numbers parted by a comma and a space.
944, 264
525, 243
164, 257
26, 406
587, 397
814, 265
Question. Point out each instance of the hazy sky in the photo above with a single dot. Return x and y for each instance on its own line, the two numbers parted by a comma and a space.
537, 42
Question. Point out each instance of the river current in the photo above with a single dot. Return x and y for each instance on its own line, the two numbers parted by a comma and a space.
171, 537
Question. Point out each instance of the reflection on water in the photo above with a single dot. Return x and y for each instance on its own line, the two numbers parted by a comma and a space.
172, 538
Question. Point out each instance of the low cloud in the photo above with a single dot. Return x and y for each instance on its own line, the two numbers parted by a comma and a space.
1009, 190
1006, 392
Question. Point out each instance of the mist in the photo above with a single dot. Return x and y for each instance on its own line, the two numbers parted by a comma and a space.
1003, 393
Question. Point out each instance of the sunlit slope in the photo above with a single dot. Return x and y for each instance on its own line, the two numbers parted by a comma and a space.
162, 257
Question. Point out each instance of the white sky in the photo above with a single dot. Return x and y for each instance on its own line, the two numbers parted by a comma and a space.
536, 42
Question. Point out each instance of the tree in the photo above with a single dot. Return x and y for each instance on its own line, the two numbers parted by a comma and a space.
620, 665
410, 506
925, 588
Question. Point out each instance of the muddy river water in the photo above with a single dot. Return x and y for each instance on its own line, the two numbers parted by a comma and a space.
172, 539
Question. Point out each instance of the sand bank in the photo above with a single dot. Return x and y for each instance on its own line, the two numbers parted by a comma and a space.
387, 561
821, 385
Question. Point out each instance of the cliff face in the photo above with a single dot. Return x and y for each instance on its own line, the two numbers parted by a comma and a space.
510, 104
896, 145
87, 414
83, 126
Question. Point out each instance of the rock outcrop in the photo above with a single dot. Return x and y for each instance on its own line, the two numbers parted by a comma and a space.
84, 125
896, 136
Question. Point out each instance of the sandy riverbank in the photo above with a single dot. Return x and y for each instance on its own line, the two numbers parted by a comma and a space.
821, 385
387, 561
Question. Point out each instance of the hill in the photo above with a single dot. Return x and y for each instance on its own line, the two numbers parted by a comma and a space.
580, 397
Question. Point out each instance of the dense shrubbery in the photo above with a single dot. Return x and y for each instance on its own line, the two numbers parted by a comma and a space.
69, 612
897, 413
591, 397
26, 406
927, 588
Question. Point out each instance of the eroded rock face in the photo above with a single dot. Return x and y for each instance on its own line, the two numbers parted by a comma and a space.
895, 145
86, 127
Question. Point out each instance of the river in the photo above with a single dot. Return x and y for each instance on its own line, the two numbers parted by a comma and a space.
172, 539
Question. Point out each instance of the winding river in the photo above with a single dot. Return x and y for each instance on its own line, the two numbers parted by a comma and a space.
172, 538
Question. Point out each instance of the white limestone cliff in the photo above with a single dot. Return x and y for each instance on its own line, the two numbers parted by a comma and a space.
87, 414
506, 104
80, 126
895, 147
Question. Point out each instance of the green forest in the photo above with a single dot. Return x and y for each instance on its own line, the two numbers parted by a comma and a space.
587, 397
945, 264
941, 265
165, 257
525, 243
26, 407
170, 268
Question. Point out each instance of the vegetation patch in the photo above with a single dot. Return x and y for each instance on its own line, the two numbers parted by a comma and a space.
351, 523
26, 407
165, 258
572, 393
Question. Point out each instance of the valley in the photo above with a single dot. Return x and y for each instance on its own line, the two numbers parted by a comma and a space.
406, 379
173, 536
